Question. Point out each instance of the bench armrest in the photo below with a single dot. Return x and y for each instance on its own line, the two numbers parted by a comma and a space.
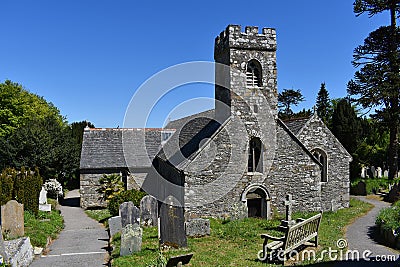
269, 237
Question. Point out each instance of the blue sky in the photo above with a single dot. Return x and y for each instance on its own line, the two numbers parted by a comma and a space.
89, 56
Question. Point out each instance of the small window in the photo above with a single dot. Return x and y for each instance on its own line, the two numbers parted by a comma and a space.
255, 156
253, 74
321, 156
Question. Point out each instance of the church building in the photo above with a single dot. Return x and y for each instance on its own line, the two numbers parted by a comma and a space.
237, 160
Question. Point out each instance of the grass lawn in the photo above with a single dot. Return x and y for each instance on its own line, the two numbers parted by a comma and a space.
100, 215
46, 224
236, 243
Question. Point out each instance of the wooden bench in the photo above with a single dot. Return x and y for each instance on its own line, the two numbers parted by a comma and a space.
304, 232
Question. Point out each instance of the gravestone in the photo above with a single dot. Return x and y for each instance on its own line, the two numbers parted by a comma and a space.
3, 256
373, 172
363, 172
149, 211
393, 194
289, 204
12, 219
386, 173
197, 227
379, 172
359, 190
114, 225
172, 224
43, 206
129, 213
131, 239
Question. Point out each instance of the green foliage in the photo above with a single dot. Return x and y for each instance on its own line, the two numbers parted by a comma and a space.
323, 104
288, 98
23, 186
110, 186
100, 215
39, 228
389, 218
373, 185
130, 195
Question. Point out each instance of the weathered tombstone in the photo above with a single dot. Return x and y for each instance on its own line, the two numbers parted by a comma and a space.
288, 203
386, 173
43, 206
172, 224
359, 190
12, 219
131, 239
149, 211
129, 213
393, 195
373, 171
114, 225
363, 172
197, 227
379, 172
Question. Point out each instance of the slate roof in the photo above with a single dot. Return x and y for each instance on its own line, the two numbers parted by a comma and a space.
187, 139
104, 148
295, 125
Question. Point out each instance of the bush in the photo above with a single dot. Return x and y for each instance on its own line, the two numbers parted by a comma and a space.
389, 218
24, 186
131, 195
110, 186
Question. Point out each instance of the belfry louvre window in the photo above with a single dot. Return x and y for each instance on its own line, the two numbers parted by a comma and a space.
255, 162
253, 74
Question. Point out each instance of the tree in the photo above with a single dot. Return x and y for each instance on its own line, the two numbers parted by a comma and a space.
323, 104
346, 126
288, 98
377, 83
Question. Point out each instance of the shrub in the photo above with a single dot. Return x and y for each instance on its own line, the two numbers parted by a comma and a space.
54, 189
131, 195
389, 218
110, 186
23, 186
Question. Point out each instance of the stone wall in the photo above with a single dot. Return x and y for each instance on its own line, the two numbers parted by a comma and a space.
89, 183
336, 191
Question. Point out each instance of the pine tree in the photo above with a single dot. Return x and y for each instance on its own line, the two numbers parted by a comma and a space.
323, 104
377, 83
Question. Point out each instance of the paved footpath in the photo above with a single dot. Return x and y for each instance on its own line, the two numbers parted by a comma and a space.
83, 241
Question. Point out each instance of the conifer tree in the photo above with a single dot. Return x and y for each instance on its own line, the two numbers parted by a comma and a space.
323, 104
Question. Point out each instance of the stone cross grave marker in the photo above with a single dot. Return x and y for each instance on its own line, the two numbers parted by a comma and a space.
131, 239
12, 219
130, 214
288, 203
149, 211
172, 224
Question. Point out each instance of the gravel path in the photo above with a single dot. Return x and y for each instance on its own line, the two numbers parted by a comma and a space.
83, 242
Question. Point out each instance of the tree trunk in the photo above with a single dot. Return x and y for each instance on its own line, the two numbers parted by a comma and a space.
393, 147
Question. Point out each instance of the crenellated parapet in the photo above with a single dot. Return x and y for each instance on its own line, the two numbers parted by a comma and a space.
233, 37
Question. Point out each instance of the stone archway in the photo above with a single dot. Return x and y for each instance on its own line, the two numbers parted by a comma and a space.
258, 201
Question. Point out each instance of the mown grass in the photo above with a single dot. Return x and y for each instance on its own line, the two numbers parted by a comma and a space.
46, 224
100, 215
236, 243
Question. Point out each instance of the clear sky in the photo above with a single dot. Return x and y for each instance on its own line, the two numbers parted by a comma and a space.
88, 57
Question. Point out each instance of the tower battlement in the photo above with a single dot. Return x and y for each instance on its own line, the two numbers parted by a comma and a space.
233, 37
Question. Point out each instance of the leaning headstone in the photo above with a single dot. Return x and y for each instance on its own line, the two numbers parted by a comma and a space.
129, 213
172, 224
43, 206
131, 239
12, 219
114, 225
149, 211
197, 227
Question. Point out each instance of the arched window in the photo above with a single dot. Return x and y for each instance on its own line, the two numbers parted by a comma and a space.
253, 74
255, 155
321, 156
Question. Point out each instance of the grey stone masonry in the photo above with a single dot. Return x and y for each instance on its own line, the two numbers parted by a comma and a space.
197, 227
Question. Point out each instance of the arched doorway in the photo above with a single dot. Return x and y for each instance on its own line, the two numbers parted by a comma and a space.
257, 200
